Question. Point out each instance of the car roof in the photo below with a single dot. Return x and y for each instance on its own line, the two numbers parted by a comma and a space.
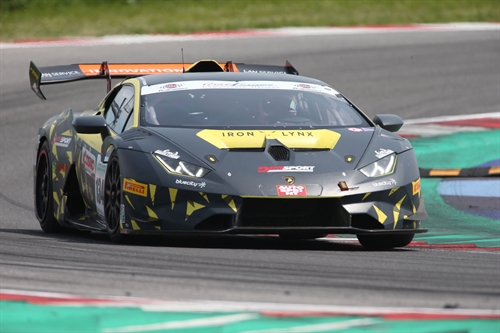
225, 76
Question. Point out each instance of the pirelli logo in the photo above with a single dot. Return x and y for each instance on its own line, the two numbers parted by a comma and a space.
134, 187
416, 186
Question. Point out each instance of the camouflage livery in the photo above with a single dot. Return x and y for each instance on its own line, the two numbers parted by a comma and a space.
248, 187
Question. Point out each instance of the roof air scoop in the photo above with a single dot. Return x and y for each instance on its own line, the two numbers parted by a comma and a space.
205, 66
279, 152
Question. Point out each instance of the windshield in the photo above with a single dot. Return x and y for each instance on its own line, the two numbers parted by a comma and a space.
213, 104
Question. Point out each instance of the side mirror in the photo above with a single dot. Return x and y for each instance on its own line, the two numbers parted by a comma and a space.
390, 122
91, 125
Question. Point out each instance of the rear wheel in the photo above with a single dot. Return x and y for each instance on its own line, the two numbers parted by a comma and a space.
44, 202
381, 242
113, 199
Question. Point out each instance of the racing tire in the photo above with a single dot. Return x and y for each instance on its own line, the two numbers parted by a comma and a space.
302, 235
384, 242
44, 201
113, 199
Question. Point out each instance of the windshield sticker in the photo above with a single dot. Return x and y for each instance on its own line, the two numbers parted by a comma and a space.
383, 152
291, 190
288, 168
167, 153
194, 85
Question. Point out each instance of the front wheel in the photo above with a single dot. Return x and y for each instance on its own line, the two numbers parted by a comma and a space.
382, 242
44, 202
113, 199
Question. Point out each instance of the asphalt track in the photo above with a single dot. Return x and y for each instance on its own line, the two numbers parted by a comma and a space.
415, 75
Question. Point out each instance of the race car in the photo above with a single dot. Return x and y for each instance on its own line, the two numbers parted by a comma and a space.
212, 148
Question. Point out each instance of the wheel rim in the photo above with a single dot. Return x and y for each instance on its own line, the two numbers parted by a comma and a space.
42, 186
112, 196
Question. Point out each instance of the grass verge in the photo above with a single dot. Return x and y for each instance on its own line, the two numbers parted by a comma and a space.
45, 19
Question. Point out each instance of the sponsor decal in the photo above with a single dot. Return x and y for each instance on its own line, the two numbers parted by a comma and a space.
131, 186
62, 168
193, 85
190, 183
56, 74
88, 161
291, 190
100, 175
224, 139
228, 134
122, 214
390, 182
285, 168
92, 69
167, 153
383, 152
361, 129
171, 87
416, 186
61, 141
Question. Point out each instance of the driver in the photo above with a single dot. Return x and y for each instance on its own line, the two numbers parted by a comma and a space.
277, 108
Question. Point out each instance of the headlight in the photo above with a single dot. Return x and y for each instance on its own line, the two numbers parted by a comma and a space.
180, 167
382, 167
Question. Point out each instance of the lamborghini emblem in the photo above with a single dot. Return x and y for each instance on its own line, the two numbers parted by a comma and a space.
289, 179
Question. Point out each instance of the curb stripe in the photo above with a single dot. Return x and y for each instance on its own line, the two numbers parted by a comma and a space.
461, 172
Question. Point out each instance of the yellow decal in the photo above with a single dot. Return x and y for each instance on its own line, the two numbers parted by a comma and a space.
129, 202
204, 196
191, 207
393, 190
319, 139
397, 209
135, 226
151, 213
173, 194
152, 192
230, 202
366, 196
380, 215
416, 186
134, 187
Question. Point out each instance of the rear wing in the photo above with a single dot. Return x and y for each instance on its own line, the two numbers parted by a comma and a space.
66, 73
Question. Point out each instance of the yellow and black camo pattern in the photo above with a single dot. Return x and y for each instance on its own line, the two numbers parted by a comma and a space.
160, 208
151, 207
392, 208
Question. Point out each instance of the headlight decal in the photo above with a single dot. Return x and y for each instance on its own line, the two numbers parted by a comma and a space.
382, 167
182, 168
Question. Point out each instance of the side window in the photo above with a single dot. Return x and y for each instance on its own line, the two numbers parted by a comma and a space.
120, 109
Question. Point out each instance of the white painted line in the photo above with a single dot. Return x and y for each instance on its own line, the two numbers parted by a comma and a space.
183, 324
494, 115
324, 327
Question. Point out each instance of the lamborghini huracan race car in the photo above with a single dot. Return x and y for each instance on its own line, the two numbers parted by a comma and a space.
228, 147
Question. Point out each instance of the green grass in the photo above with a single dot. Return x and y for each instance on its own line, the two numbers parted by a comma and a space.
41, 19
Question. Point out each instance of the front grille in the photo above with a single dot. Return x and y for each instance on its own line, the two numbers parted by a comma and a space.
279, 153
276, 213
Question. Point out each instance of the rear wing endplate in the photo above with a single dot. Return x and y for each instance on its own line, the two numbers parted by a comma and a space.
66, 73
